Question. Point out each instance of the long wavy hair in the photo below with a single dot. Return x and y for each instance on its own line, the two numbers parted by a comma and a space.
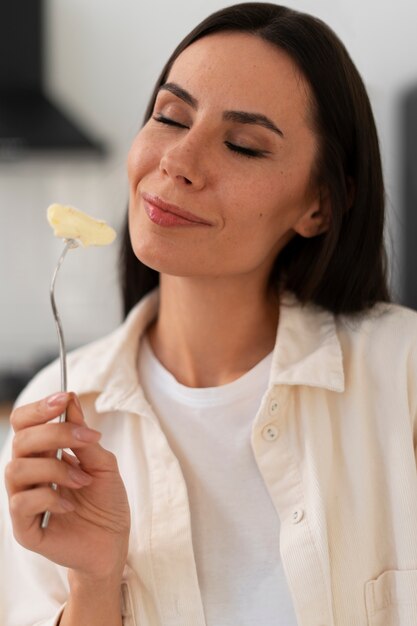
343, 270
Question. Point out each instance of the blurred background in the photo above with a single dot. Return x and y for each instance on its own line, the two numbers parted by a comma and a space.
93, 65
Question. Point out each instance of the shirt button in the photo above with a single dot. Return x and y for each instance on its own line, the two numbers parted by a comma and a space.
297, 516
270, 432
273, 407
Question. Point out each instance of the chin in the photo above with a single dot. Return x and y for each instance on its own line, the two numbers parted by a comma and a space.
164, 261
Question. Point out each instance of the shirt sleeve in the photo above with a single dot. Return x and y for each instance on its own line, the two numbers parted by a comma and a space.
33, 590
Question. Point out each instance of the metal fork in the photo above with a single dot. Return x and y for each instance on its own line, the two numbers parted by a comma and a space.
69, 245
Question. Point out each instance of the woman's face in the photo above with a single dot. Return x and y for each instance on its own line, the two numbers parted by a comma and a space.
230, 143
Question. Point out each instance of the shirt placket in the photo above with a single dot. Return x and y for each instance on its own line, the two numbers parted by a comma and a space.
174, 573
299, 541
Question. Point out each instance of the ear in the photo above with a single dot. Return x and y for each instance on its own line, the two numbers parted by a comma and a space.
316, 220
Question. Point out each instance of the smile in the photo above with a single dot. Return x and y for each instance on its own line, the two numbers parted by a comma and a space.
165, 214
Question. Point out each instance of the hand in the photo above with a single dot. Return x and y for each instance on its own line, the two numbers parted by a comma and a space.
88, 531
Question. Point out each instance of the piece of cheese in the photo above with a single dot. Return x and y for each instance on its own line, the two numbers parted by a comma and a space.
70, 223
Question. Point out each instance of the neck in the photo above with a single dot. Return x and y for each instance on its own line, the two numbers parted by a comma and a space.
211, 331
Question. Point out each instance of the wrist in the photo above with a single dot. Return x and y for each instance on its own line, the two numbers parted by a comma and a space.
93, 600
83, 584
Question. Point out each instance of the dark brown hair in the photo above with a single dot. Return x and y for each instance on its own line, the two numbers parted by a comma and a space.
343, 270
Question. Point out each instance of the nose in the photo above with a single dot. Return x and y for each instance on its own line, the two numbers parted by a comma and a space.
182, 163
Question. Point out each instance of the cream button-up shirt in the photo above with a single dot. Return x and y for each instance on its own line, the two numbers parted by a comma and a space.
335, 443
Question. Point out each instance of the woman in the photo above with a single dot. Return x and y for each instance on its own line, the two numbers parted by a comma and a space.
249, 454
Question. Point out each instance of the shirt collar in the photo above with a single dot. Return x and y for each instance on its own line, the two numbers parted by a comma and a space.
307, 349
307, 352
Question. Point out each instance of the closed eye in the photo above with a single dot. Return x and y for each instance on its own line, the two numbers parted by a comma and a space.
248, 152
167, 120
240, 150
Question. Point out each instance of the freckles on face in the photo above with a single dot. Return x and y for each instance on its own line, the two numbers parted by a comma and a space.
203, 159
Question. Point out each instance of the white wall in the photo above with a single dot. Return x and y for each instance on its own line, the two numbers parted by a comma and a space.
104, 57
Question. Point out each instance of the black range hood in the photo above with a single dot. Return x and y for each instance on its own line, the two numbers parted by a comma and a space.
29, 120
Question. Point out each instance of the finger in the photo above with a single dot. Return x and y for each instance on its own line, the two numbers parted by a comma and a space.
67, 455
95, 459
71, 459
46, 410
25, 506
74, 410
23, 474
51, 437
74, 415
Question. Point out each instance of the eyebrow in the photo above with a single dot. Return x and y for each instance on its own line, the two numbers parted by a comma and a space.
180, 93
240, 117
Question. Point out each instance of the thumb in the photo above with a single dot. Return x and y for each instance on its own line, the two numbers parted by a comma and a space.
92, 456
74, 410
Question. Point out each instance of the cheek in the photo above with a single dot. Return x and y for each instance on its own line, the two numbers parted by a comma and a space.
261, 216
254, 205
143, 157
133, 158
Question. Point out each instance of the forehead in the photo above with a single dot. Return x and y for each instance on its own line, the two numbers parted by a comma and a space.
242, 71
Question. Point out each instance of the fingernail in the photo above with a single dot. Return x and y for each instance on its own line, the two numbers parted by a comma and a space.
79, 477
56, 399
86, 434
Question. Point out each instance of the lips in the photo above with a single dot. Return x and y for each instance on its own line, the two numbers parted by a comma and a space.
167, 207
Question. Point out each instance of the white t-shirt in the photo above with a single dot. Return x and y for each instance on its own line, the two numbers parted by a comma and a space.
234, 524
